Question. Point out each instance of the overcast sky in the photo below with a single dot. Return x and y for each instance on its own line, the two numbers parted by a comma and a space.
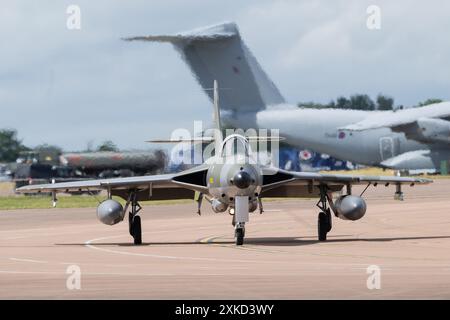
69, 87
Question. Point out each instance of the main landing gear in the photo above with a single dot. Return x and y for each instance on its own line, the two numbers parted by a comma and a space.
324, 219
134, 220
324, 224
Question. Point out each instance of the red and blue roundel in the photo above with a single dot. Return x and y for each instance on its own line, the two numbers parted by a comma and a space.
305, 155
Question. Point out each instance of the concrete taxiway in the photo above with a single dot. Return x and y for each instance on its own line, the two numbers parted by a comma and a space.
186, 256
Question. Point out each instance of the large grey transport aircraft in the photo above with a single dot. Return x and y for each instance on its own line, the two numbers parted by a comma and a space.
231, 180
416, 138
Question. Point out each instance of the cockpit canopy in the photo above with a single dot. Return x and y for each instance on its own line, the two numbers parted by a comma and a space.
235, 145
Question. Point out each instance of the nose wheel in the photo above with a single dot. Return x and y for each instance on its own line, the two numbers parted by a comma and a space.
239, 234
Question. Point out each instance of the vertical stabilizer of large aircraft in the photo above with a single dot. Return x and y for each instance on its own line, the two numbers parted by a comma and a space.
218, 53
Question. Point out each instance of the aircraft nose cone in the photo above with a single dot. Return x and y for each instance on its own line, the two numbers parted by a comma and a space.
242, 180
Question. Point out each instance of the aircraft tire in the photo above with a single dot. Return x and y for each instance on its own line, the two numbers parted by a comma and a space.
323, 226
329, 220
136, 230
240, 233
130, 224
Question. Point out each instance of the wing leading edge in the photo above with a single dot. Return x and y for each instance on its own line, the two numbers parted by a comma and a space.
157, 187
306, 184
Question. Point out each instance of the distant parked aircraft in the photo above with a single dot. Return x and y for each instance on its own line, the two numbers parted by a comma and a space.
416, 138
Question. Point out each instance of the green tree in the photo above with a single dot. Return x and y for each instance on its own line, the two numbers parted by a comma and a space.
312, 105
429, 101
107, 145
384, 102
10, 145
331, 104
361, 102
343, 103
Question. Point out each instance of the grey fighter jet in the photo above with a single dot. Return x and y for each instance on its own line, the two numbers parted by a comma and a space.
406, 139
230, 180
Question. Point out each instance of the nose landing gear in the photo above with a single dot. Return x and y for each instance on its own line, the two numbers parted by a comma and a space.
241, 216
239, 231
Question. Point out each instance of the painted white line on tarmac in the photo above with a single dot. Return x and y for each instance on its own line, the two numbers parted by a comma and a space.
92, 246
27, 260
88, 273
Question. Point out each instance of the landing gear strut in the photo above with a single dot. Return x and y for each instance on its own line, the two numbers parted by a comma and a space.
324, 219
134, 220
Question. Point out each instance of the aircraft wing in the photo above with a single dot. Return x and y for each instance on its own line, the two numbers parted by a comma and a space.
183, 185
284, 183
393, 119
425, 130
363, 179
100, 184
157, 187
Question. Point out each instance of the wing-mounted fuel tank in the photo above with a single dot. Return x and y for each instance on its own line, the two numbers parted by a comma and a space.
350, 207
110, 212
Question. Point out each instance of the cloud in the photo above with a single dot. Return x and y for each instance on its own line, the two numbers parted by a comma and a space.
319, 50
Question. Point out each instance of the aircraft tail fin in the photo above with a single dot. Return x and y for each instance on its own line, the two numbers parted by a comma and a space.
218, 137
218, 53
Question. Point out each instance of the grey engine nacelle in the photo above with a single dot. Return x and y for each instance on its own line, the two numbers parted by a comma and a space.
350, 207
110, 212
218, 206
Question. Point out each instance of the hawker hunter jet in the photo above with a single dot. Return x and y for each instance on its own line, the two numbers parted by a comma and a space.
416, 138
232, 180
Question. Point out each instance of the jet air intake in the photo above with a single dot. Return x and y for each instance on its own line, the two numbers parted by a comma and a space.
350, 207
110, 212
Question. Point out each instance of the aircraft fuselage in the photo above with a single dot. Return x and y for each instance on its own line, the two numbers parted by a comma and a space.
317, 129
